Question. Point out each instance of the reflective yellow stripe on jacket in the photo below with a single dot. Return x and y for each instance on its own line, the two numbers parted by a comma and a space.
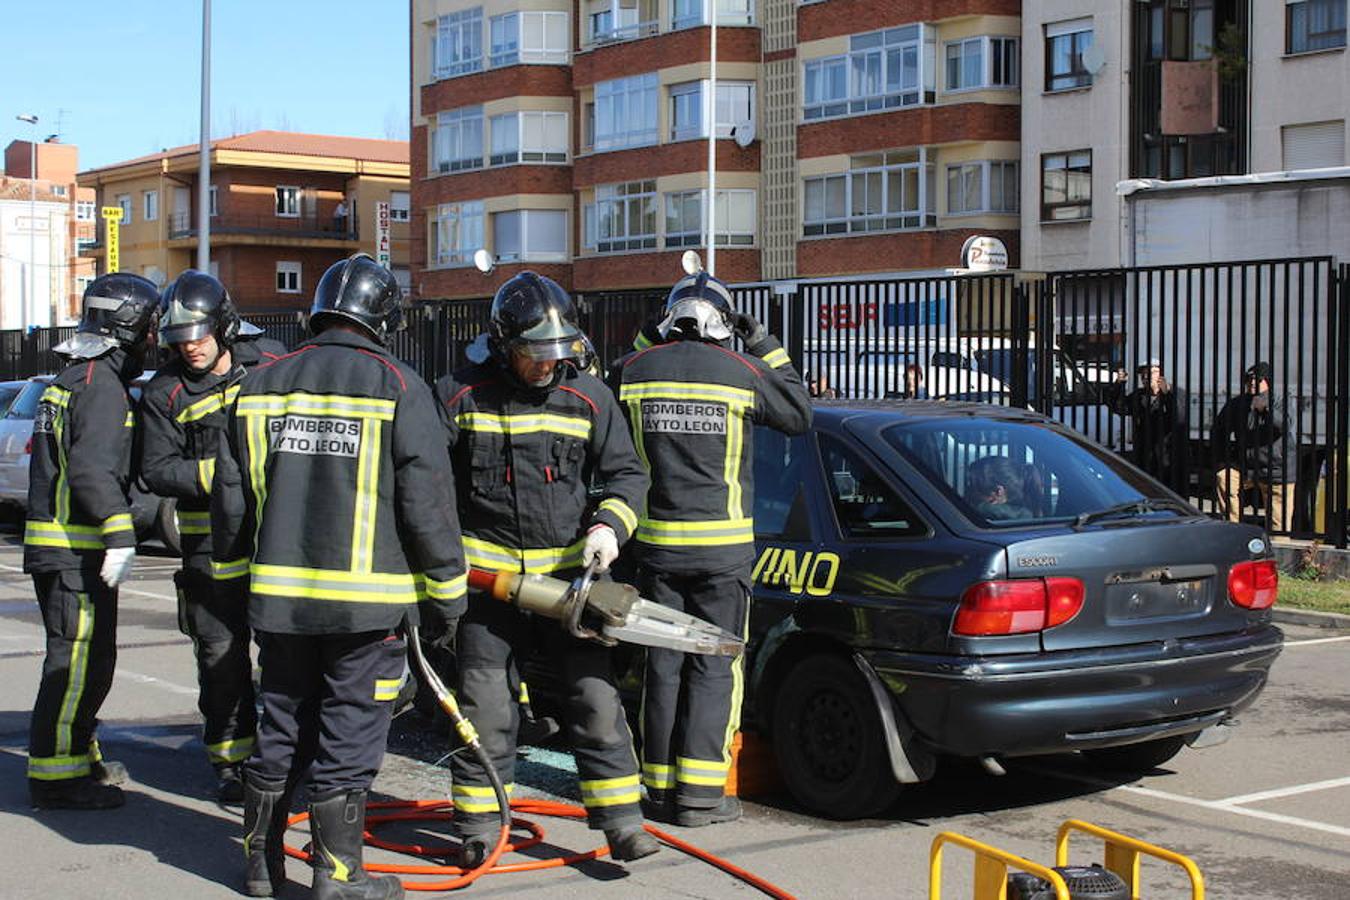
623, 511
331, 584
696, 534
193, 522
207, 405
497, 557
572, 426
58, 534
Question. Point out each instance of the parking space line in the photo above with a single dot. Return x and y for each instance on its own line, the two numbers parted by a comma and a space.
1226, 806
1330, 640
1287, 792
123, 588
155, 682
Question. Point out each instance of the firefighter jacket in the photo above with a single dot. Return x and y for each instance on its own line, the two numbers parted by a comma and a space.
182, 416
690, 405
332, 493
524, 460
80, 470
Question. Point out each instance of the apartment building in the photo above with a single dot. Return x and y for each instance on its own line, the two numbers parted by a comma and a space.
46, 223
282, 206
1143, 92
851, 137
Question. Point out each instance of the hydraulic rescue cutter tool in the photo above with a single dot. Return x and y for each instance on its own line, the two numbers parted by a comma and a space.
616, 608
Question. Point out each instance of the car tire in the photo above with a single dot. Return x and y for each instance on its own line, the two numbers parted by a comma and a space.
828, 738
1136, 757
166, 526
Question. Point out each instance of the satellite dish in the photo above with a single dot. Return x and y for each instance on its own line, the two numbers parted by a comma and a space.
743, 133
1094, 58
483, 261
691, 262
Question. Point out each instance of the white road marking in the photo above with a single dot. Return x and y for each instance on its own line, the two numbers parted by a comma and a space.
1331, 640
151, 680
1287, 792
122, 588
1227, 805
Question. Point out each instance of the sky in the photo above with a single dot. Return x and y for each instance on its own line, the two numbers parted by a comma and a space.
122, 79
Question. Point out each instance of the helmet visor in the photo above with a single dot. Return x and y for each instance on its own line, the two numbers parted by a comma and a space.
708, 322
181, 332
86, 345
570, 347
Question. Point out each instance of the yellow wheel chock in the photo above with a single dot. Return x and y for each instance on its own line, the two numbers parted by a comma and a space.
1122, 854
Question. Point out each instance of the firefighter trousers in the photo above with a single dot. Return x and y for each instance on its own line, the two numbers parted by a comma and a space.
691, 703
329, 698
79, 613
494, 639
215, 615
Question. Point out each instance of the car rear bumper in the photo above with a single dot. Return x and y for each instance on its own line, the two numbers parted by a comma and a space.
1025, 704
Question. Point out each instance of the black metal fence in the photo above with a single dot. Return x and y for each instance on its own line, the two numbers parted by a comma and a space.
1082, 347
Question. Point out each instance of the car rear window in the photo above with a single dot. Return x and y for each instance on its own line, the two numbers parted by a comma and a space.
1009, 474
25, 405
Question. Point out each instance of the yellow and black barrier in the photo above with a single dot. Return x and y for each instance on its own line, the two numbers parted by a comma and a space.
991, 869
1122, 855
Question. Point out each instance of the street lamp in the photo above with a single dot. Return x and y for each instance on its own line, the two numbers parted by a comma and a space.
29, 301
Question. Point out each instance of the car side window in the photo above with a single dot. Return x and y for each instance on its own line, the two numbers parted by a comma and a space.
25, 405
780, 486
865, 505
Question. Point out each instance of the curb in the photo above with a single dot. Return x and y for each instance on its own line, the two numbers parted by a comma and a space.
1310, 617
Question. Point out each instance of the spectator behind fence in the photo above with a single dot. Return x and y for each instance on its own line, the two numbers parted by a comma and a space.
820, 387
1157, 413
995, 487
1247, 443
340, 217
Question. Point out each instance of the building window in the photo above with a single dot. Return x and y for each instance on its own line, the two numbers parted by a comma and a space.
1065, 43
624, 217
1317, 145
457, 142
1314, 25
734, 221
458, 232
530, 235
151, 203
882, 70
82, 283
457, 46
212, 201
624, 20
531, 136
528, 37
625, 112
881, 192
693, 13
124, 201
1066, 186
288, 278
982, 62
288, 201
982, 187
400, 209
84, 210
59, 190
735, 106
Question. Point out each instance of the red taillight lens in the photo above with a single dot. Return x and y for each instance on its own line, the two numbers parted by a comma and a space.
1254, 584
28, 447
1018, 607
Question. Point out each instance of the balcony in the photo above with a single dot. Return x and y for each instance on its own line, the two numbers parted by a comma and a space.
184, 225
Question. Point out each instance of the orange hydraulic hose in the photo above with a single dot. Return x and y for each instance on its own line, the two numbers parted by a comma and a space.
441, 810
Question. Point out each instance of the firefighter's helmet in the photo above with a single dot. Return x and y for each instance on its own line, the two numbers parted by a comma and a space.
533, 315
699, 306
119, 309
359, 290
196, 305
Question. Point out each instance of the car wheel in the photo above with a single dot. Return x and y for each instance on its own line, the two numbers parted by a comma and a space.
166, 526
828, 738
1136, 757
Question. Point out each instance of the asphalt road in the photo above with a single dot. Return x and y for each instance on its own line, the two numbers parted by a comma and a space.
1266, 815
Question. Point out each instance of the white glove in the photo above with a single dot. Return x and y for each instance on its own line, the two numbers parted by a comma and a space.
602, 545
117, 562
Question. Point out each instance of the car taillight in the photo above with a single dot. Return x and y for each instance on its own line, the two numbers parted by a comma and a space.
28, 447
1018, 606
1254, 584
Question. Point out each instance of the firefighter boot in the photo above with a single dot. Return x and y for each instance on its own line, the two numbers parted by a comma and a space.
265, 812
630, 843
108, 772
338, 823
74, 793
728, 810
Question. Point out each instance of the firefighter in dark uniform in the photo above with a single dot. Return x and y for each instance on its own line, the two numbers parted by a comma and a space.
79, 542
333, 496
528, 432
692, 404
182, 413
